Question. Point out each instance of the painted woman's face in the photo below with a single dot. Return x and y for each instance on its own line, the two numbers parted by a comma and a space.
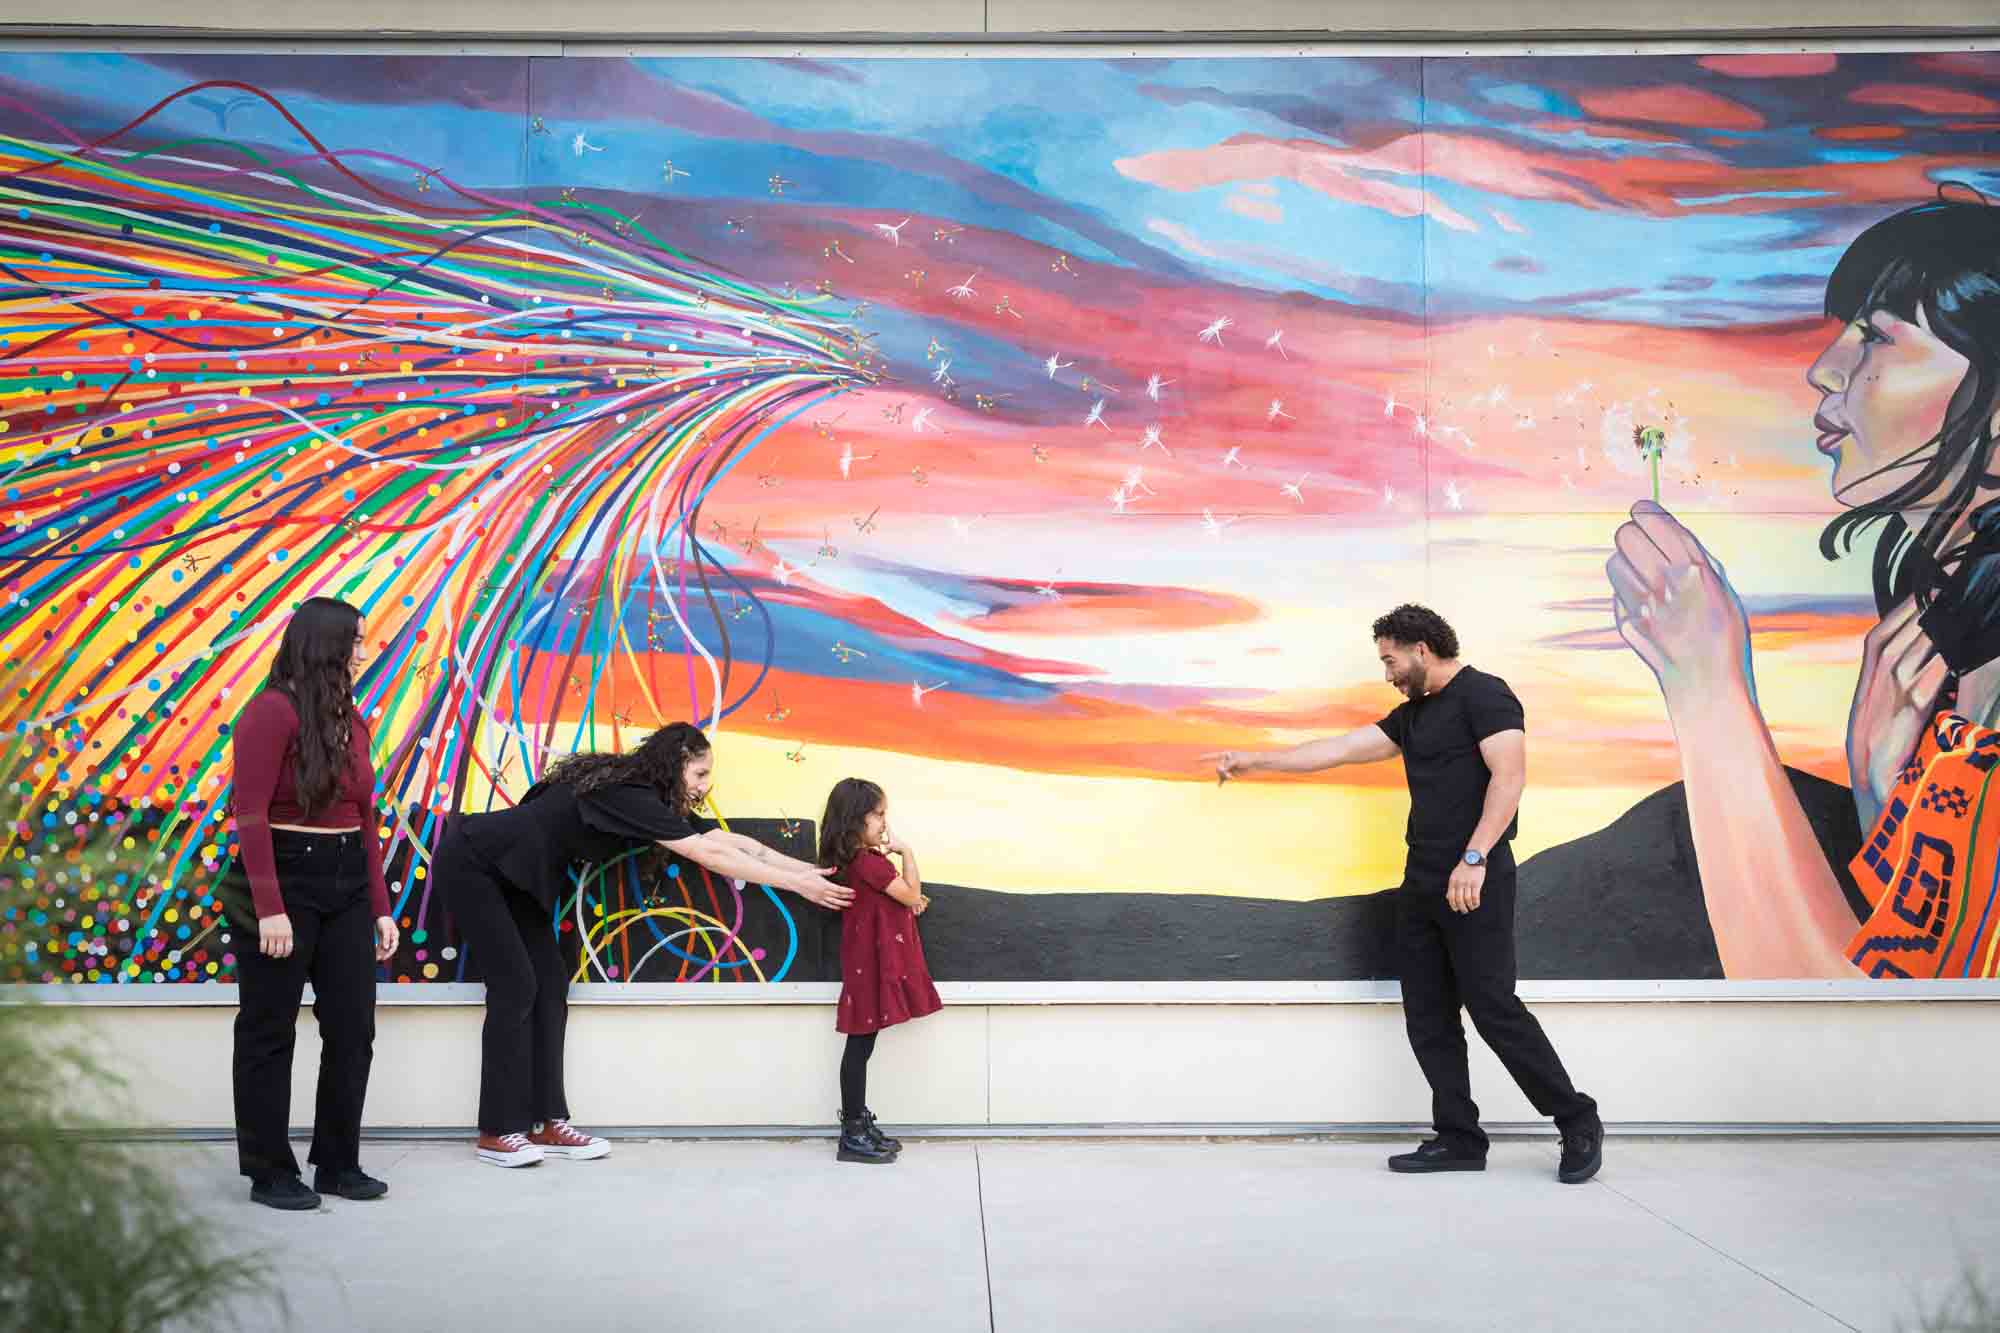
1884, 387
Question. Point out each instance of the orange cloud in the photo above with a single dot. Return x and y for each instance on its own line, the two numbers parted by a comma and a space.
1930, 101
1790, 629
1591, 128
1348, 175
1804, 64
1671, 104
1979, 64
1668, 185
1858, 133
1103, 609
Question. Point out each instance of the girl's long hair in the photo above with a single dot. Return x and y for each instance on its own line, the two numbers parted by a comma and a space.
850, 802
659, 761
1943, 259
314, 670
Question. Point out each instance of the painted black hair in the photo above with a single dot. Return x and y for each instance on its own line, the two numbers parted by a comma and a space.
1941, 259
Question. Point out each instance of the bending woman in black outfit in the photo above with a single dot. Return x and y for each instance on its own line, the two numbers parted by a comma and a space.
501, 874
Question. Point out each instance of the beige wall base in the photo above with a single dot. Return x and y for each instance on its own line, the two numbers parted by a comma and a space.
976, 1065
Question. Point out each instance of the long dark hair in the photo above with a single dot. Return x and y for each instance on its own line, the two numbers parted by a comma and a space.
1943, 259
850, 802
659, 761
313, 669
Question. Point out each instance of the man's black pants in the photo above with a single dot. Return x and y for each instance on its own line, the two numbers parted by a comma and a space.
1448, 960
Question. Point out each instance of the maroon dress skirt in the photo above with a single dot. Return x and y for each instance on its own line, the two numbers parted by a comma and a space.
883, 977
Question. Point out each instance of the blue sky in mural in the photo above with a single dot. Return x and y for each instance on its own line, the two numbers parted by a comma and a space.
1670, 187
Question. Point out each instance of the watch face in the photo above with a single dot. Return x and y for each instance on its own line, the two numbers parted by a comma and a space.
1474, 859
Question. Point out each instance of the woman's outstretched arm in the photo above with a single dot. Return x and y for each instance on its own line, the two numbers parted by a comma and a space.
725, 858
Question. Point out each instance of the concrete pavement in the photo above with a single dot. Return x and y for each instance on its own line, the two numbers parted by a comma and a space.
1030, 1236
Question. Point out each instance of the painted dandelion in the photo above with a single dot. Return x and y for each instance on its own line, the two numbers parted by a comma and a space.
1651, 442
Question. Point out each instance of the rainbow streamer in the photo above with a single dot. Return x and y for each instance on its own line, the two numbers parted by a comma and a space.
230, 381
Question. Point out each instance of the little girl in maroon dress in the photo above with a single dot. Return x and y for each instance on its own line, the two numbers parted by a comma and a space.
883, 977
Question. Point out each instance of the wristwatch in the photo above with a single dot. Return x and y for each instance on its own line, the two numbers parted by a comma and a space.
1475, 858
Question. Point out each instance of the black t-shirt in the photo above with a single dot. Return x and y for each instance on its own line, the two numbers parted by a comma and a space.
1439, 736
534, 844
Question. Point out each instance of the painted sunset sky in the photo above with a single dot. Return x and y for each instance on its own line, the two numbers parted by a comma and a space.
1188, 369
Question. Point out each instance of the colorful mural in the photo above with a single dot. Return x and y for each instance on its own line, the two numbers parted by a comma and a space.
1011, 432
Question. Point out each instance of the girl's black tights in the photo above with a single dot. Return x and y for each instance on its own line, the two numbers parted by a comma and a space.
854, 1073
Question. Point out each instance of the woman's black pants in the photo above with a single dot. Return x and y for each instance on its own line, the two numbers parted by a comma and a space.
511, 941
324, 880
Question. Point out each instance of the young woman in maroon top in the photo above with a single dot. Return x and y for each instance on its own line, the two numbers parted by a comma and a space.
502, 873
303, 798
884, 979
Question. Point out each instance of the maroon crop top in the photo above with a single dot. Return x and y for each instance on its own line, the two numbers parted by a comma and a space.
265, 745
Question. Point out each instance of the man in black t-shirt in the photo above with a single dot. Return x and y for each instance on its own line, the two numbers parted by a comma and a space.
1463, 740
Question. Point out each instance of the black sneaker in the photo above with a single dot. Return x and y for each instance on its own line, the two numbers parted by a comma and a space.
287, 1193
349, 1183
1583, 1153
1436, 1155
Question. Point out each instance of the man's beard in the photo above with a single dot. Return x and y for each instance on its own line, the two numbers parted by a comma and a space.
1414, 683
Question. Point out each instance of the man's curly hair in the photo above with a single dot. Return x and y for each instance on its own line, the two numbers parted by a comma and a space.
1410, 624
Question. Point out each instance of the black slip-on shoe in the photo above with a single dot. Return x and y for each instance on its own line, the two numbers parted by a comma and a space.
1435, 1155
286, 1193
1583, 1154
349, 1183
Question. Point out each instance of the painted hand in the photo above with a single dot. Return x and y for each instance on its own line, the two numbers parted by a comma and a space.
1901, 674
1674, 607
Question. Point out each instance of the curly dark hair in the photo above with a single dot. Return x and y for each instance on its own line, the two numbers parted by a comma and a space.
850, 802
659, 761
313, 669
1410, 624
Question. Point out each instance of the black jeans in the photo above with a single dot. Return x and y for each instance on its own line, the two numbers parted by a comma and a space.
511, 939
324, 880
1447, 960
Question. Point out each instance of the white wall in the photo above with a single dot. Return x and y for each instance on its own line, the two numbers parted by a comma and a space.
996, 1058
